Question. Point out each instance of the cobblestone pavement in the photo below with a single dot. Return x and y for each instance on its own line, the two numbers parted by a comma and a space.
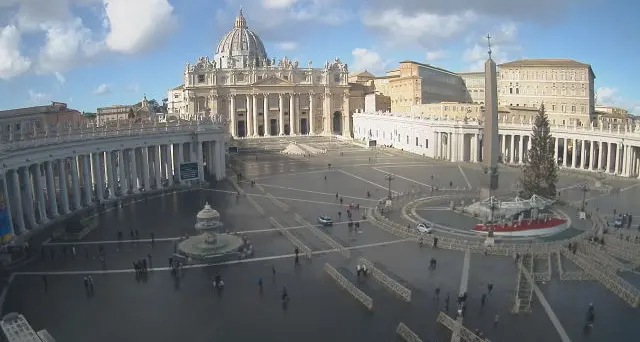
160, 308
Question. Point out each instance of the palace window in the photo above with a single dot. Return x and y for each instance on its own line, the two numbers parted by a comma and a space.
582, 109
285, 77
553, 108
416, 141
407, 140
426, 143
259, 77
510, 90
564, 108
200, 78
517, 90
573, 109
239, 78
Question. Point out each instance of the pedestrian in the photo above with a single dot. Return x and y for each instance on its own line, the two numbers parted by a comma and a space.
490, 287
153, 239
137, 235
437, 293
86, 284
260, 285
483, 299
44, 281
446, 303
73, 252
495, 321
273, 270
91, 283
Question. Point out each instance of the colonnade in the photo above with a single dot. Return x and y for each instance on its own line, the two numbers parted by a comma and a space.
41, 191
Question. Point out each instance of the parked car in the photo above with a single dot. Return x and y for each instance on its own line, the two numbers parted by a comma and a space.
424, 227
325, 220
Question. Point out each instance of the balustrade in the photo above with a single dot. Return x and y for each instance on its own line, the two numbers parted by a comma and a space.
347, 285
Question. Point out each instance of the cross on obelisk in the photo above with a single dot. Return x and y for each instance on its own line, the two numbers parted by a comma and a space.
489, 44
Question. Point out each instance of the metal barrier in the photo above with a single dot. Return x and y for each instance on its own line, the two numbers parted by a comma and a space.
347, 285
407, 334
457, 328
608, 278
306, 251
387, 281
323, 236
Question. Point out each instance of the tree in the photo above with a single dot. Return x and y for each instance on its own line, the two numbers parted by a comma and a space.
541, 168
131, 114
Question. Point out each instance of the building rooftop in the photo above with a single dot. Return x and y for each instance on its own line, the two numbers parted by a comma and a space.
54, 107
364, 74
547, 63
430, 66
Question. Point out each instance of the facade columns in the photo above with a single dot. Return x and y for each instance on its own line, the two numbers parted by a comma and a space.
503, 148
265, 115
292, 114
583, 154
39, 188
17, 191
610, 157
311, 117
156, 166
520, 148
232, 115
28, 193
249, 113
177, 160
51, 191
592, 152
62, 179
75, 183
512, 151
254, 120
281, 118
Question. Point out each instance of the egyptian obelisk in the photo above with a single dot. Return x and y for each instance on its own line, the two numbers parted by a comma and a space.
490, 136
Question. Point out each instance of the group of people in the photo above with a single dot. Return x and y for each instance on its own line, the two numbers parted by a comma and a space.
88, 284
361, 270
140, 266
176, 267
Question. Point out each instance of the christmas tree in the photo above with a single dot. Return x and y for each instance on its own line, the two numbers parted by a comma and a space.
541, 169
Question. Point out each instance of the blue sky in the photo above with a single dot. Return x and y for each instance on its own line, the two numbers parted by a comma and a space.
92, 53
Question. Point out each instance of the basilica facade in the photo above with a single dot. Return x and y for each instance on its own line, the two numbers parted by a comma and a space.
262, 96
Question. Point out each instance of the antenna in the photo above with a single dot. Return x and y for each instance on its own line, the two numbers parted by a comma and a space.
489, 44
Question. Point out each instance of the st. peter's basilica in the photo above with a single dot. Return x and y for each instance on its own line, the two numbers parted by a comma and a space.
261, 96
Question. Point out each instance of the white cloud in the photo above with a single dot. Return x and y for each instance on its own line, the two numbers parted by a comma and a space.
278, 3
139, 25
12, 62
68, 44
435, 55
611, 97
60, 78
424, 28
102, 89
287, 46
364, 59
133, 88
504, 47
38, 98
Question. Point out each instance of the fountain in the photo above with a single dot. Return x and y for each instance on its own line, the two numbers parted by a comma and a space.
210, 244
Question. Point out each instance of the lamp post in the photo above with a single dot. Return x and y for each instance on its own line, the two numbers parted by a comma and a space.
584, 188
389, 177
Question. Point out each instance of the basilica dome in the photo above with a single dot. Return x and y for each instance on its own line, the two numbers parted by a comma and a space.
240, 48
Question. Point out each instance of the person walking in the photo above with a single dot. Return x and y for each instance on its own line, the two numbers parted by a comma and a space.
260, 285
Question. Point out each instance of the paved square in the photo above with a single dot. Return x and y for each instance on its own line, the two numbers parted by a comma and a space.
163, 308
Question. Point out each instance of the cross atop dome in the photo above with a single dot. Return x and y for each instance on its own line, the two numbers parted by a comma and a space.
240, 21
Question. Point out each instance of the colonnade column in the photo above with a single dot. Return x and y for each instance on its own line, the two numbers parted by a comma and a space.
574, 154
177, 160
618, 155
86, 177
583, 154
97, 161
557, 150
200, 160
62, 179
610, 159
168, 149
51, 190
145, 168
111, 174
232, 115
292, 114
565, 149
512, 152
602, 156
592, 155
122, 177
28, 192
281, 120
156, 166
249, 113
254, 104
520, 148
75, 183
503, 148
311, 118
265, 115
7, 202
135, 184
39, 187
17, 194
